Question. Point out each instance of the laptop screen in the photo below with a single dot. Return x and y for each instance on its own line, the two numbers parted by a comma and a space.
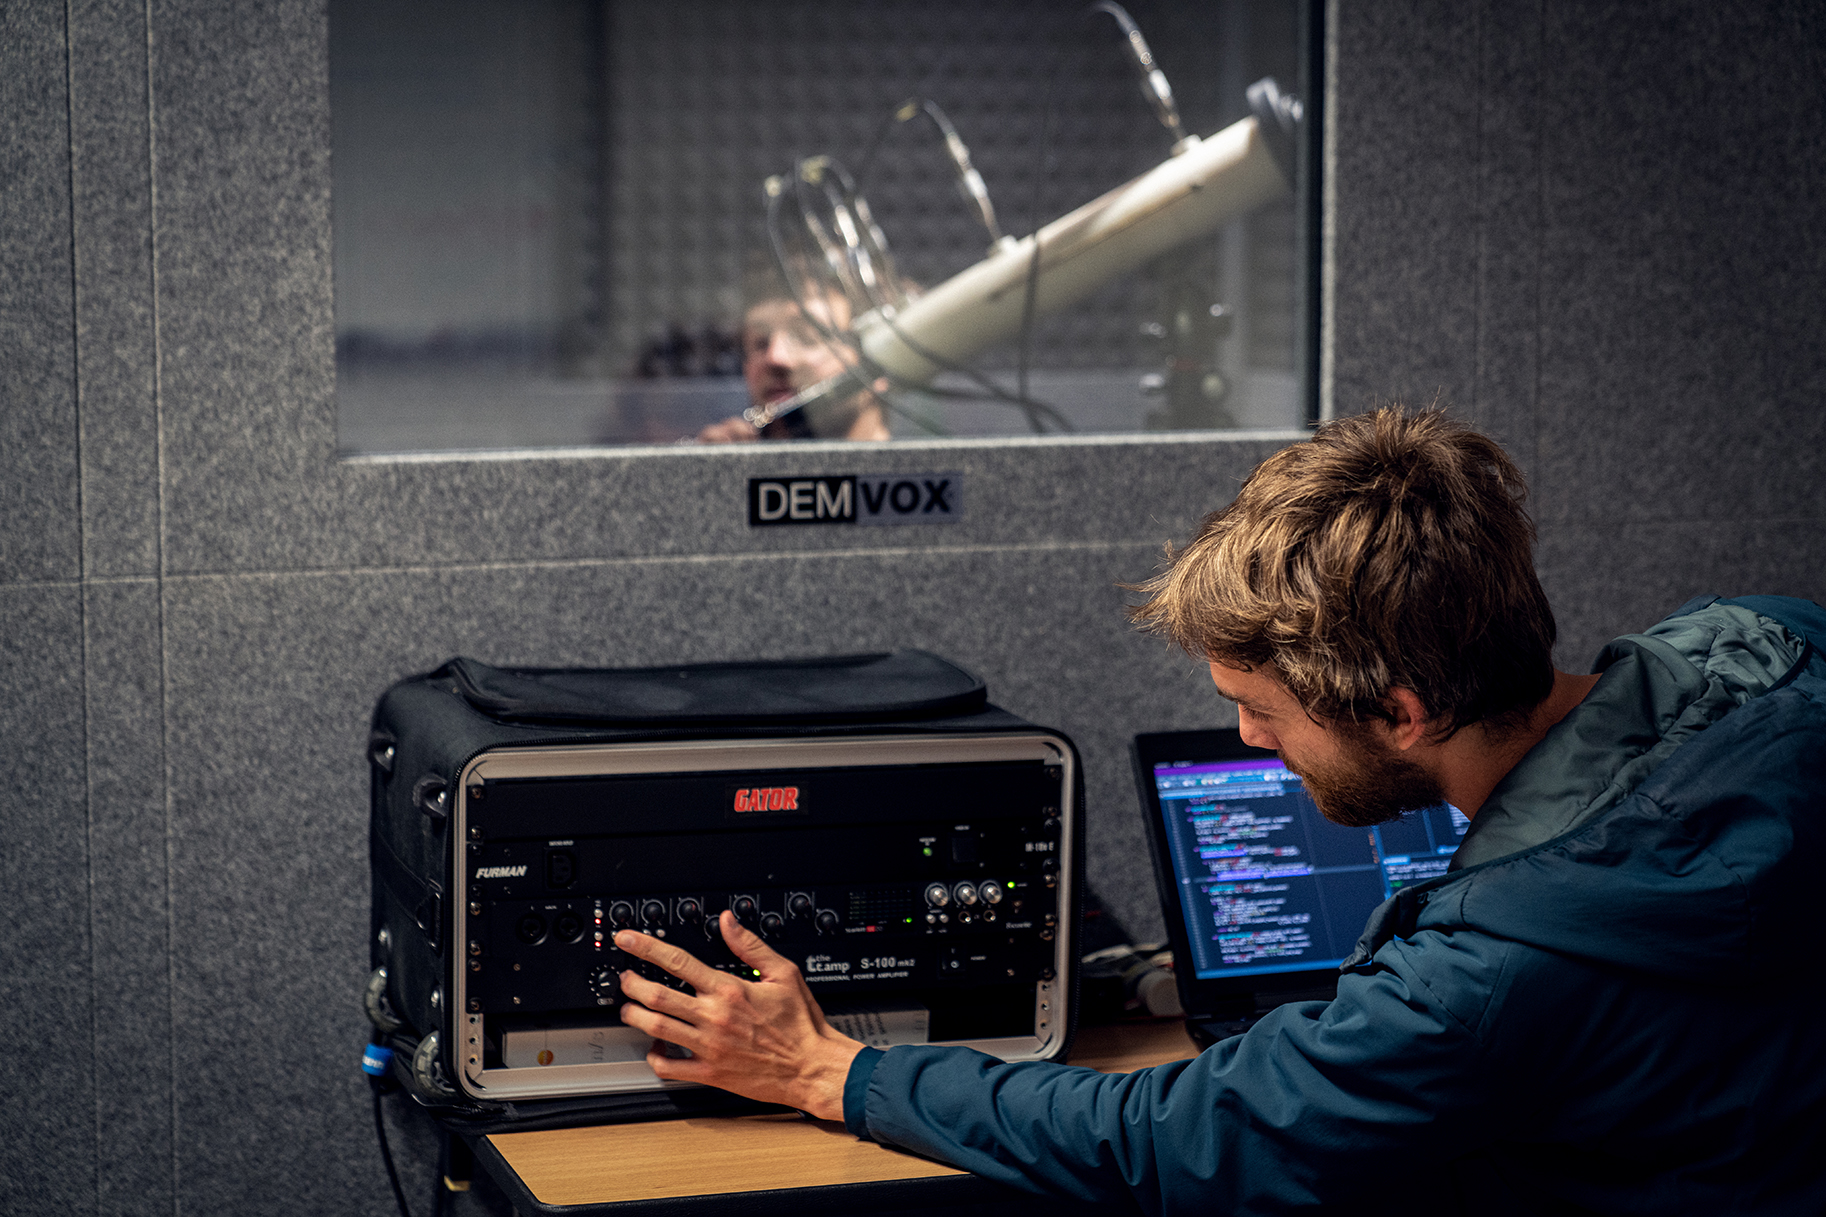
1267, 884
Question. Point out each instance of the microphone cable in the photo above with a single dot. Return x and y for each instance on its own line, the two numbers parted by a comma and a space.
376, 1060
970, 183
1154, 87
1154, 84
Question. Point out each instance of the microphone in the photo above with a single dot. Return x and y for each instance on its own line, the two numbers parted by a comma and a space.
850, 380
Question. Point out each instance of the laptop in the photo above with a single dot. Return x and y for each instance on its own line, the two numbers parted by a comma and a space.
1263, 897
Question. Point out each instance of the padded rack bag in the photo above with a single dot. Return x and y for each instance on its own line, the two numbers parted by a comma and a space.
429, 730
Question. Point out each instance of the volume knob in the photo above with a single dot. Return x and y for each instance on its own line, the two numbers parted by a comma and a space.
827, 922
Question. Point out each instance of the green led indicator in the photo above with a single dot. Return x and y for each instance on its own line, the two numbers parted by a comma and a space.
927, 851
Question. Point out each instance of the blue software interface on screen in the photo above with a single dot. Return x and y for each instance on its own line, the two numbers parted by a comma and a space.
1270, 885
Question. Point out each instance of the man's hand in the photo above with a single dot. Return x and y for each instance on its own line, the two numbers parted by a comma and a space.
765, 1039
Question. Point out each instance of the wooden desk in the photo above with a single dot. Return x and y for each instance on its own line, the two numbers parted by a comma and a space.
769, 1163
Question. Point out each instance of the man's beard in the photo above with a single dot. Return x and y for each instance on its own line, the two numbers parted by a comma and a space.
1368, 784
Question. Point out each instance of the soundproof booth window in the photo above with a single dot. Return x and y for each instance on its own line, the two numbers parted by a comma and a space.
570, 223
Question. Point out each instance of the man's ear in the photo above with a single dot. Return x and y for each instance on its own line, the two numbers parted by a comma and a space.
1411, 718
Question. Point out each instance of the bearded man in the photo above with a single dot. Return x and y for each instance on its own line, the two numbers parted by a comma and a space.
1607, 1005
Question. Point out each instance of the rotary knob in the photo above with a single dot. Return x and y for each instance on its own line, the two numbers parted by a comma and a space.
800, 905
771, 924
744, 909
605, 983
965, 893
621, 914
938, 895
690, 911
653, 913
827, 922
991, 892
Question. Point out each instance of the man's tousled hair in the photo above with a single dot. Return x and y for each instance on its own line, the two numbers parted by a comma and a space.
1389, 550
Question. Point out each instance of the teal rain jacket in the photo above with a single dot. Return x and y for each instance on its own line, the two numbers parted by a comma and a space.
1609, 1004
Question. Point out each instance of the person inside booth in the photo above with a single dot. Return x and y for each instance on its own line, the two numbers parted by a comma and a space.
784, 351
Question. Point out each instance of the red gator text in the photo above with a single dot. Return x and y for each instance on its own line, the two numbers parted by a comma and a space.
768, 798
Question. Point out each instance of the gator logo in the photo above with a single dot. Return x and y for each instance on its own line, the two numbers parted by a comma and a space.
501, 872
767, 798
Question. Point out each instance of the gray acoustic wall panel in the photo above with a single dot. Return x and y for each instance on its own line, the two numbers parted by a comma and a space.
1625, 293
111, 209
1683, 286
1505, 348
38, 495
49, 1160
1682, 278
123, 696
1406, 170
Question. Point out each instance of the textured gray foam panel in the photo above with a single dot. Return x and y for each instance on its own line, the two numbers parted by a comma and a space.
241, 128
1684, 271
114, 332
1508, 202
273, 680
124, 697
1606, 579
1407, 185
45, 982
38, 422
249, 514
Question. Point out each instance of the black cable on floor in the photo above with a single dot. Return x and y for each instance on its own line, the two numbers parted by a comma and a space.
386, 1155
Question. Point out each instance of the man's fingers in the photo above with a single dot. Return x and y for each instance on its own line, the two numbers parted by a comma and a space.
655, 996
752, 949
677, 1068
676, 960
661, 1027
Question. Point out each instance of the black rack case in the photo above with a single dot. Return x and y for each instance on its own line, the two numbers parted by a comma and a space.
517, 813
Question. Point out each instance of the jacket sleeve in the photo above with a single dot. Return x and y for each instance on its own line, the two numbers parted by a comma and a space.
1299, 1111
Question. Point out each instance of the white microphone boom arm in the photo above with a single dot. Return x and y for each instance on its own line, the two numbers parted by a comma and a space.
1204, 186
1214, 181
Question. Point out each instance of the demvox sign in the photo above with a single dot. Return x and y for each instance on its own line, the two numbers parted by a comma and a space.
850, 498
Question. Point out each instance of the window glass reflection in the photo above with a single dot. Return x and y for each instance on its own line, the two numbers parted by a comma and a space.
550, 227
